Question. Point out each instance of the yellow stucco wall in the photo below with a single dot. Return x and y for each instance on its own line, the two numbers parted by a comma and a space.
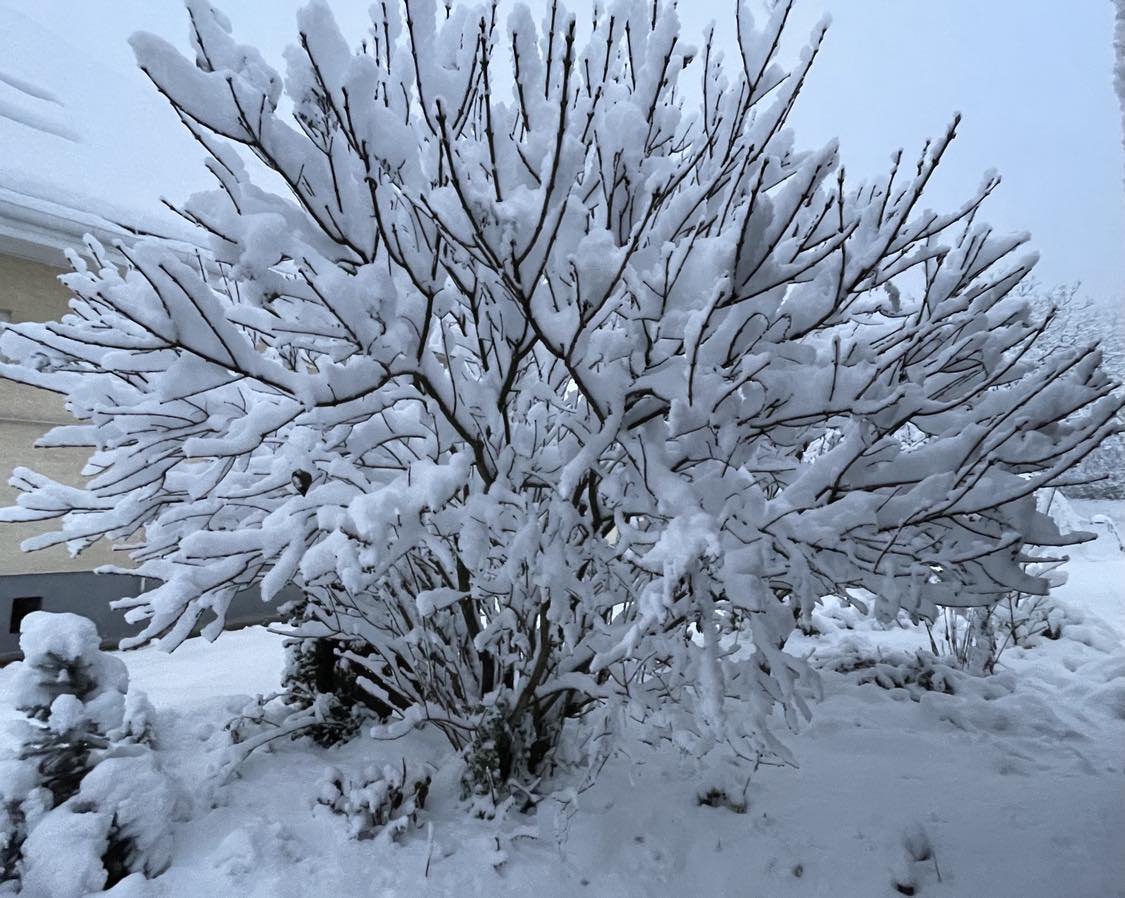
30, 291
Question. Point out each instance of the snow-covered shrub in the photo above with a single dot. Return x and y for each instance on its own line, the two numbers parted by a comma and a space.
558, 400
320, 697
138, 723
966, 637
73, 695
973, 639
716, 797
62, 856
387, 800
914, 672
492, 752
1106, 523
1076, 322
141, 805
917, 864
118, 823
22, 804
725, 781
84, 803
317, 677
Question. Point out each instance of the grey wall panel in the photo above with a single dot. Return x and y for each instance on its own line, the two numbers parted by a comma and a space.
89, 594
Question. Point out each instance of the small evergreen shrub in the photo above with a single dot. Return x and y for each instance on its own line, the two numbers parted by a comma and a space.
84, 803
316, 677
488, 761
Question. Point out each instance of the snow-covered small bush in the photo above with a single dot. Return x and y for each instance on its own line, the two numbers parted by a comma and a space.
725, 783
915, 672
318, 677
319, 698
138, 723
141, 805
62, 855
974, 639
1075, 322
387, 800
716, 797
314, 677
917, 864
117, 824
23, 802
73, 695
489, 759
965, 637
568, 398
84, 803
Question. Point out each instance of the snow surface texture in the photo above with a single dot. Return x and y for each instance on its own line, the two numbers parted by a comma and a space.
24, 104
1011, 786
62, 136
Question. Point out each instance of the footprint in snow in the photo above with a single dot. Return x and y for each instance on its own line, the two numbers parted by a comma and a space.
917, 865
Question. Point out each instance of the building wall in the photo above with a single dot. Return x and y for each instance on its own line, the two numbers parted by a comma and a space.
30, 291
50, 579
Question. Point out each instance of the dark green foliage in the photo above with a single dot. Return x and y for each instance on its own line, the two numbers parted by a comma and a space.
63, 759
13, 831
314, 673
489, 756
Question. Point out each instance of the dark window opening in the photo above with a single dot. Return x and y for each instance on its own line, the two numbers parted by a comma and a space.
21, 608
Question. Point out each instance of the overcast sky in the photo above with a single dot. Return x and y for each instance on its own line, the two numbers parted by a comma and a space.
1031, 77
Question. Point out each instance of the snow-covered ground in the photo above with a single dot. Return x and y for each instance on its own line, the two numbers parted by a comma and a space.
1011, 786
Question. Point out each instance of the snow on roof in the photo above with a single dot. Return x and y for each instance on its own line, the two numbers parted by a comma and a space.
41, 230
70, 161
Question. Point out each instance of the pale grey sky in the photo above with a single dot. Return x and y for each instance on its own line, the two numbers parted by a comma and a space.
1033, 79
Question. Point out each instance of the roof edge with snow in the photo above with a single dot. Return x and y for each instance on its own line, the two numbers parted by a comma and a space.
41, 231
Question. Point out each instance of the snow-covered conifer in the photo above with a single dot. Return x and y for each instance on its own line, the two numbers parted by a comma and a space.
83, 801
317, 677
553, 371
73, 695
